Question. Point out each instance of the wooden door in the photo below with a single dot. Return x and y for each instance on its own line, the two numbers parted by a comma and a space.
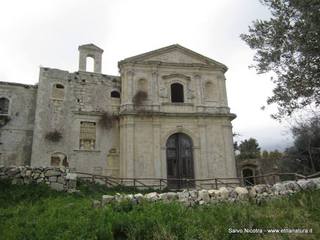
179, 161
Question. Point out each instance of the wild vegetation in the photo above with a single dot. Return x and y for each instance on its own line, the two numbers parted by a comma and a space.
53, 136
107, 120
36, 212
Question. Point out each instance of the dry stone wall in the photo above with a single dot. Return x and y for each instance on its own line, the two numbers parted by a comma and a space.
258, 194
59, 179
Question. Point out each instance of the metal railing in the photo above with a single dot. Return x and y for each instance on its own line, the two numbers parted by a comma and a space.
183, 183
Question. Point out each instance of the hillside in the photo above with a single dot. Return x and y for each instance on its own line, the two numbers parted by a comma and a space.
37, 212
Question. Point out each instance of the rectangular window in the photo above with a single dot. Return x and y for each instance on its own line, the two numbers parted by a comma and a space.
4, 106
87, 135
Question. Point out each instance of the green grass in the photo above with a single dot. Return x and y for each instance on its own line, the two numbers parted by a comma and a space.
36, 212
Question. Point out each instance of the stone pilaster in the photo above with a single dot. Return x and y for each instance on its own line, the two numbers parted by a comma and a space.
156, 149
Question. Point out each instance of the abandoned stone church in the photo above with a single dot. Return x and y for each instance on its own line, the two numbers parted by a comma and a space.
165, 116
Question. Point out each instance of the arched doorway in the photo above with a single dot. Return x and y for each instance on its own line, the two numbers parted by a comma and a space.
59, 159
179, 161
248, 176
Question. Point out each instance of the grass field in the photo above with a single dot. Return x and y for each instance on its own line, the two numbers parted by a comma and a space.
36, 212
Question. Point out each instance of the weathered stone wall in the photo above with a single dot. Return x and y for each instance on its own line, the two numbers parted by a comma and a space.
258, 193
59, 179
16, 134
135, 146
204, 114
86, 97
143, 145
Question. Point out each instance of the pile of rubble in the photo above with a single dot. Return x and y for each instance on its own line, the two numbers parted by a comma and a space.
59, 179
257, 193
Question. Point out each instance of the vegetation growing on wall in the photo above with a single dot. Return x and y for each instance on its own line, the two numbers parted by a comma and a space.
139, 98
107, 120
53, 136
4, 120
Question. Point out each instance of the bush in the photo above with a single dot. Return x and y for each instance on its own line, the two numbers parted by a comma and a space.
54, 136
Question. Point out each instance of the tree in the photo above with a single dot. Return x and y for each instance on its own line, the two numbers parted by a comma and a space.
304, 155
307, 141
249, 149
265, 154
275, 155
289, 45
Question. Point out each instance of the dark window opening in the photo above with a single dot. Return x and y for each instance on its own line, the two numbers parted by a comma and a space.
248, 177
176, 92
115, 94
4, 105
59, 86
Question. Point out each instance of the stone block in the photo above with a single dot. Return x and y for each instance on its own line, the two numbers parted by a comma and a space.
72, 184
223, 193
107, 199
57, 186
193, 194
183, 196
307, 184
13, 172
52, 179
99, 181
28, 173
316, 182
213, 193
71, 176
260, 188
153, 196
242, 192
138, 196
204, 195
61, 180
51, 173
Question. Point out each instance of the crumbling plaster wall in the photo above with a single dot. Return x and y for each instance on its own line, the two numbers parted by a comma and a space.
16, 134
86, 98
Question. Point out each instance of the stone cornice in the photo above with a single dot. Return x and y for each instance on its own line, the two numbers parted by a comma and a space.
195, 66
231, 116
176, 75
143, 57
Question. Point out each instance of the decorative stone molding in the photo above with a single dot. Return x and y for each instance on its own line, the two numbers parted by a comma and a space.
176, 75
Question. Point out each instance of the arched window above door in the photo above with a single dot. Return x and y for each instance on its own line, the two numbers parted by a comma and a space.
177, 94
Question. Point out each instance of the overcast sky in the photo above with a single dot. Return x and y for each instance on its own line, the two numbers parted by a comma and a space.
48, 32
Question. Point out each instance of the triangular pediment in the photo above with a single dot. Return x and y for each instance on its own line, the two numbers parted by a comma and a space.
174, 54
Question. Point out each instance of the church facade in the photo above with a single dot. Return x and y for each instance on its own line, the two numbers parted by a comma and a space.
165, 116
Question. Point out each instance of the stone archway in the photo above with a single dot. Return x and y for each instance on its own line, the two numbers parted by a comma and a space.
59, 159
248, 175
180, 165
